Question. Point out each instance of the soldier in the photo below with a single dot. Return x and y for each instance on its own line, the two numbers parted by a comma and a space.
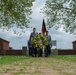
49, 44
30, 47
32, 35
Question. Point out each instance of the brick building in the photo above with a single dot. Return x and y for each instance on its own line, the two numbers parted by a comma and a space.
74, 45
4, 44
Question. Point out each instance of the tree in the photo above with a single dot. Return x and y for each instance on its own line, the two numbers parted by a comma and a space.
61, 13
15, 12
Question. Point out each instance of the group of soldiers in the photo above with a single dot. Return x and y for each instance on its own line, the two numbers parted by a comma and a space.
33, 51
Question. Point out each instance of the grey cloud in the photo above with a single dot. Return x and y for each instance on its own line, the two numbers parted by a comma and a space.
64, 40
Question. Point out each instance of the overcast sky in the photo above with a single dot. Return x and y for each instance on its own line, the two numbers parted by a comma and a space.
64, 40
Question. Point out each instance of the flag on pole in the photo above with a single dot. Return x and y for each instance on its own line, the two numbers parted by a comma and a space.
43, 27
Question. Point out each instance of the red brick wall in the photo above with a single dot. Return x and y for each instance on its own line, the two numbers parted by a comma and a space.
5, 45
0, 44
13, 52
74, 45
10, 52
66, 52
19, 52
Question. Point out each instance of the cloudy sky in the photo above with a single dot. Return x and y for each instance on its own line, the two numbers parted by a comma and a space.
64, 40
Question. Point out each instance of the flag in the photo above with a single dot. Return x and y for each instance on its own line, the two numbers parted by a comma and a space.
43, 27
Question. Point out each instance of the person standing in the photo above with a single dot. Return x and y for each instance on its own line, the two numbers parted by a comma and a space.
49, 44
40, 52
32, 35
30, 47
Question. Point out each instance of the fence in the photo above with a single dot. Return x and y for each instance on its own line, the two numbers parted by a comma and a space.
24, 51
64, 52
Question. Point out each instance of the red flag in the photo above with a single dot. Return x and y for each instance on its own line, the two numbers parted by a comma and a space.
43, 27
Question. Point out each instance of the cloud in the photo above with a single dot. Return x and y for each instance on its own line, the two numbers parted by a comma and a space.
64, 40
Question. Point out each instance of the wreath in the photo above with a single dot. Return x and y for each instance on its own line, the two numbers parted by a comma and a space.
39, 42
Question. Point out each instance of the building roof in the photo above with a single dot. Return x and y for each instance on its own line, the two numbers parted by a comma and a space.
74, 41
4, 40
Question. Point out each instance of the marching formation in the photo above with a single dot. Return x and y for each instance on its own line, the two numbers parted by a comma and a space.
39, 44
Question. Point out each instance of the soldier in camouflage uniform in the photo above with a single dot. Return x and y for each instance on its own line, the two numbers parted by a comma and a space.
30, 47
49, 44
32, 35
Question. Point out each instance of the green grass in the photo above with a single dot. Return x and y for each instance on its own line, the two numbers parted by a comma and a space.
10, 59
66, 57
26, 65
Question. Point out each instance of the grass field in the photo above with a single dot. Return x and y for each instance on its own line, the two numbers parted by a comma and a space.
25, 65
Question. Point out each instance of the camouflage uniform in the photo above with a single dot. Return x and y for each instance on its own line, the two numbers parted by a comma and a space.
30, 47
48, 46
34, 50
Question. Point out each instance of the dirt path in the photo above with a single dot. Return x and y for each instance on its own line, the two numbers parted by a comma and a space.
39, 66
